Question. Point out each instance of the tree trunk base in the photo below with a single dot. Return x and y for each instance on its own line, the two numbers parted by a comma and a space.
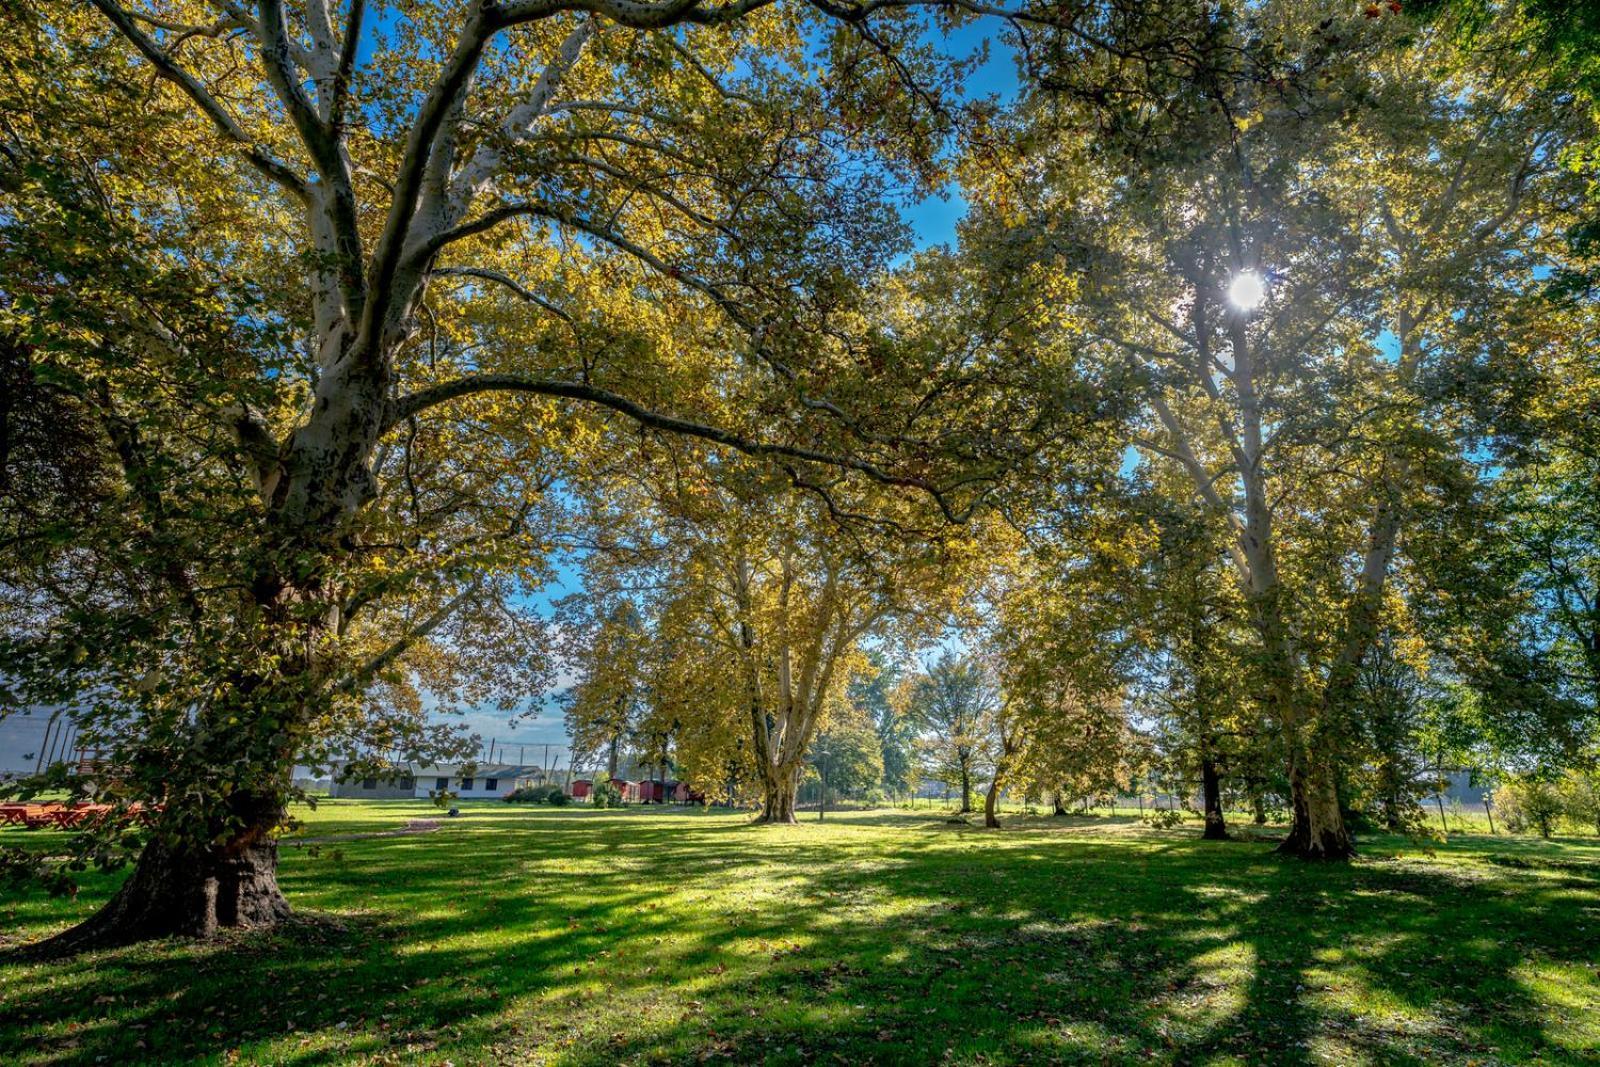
1322, 847
991, 805
170, 895
1211, 791
1318, 839
779, 793
1318, 830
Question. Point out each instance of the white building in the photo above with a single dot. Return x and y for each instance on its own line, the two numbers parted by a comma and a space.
484, 781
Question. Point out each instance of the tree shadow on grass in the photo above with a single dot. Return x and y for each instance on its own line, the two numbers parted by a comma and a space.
632, 940
1126, 972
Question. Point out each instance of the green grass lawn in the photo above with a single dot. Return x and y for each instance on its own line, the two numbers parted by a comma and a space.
518, 935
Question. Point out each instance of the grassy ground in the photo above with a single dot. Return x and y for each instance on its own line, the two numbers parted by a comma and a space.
579, 937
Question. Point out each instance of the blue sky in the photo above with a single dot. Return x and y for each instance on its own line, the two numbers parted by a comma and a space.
22, 737
934, 218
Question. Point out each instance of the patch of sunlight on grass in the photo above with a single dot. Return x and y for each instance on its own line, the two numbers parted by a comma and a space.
1200, 936
1570, 996
1334, 1049
1199, 998
576, 937
1231, 895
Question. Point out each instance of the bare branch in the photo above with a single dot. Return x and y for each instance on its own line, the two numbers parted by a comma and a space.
360, 678
636, 14
442, 98
323, 146
509, 282
347, 63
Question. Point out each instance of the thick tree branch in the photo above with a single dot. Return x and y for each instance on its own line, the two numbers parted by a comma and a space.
488, 160
322, 144
1204, 483
391, 251
404, 407
759, 349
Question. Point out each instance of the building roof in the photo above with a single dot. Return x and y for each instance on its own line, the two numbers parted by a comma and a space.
482, 770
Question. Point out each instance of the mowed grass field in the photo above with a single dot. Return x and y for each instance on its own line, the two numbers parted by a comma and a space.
566, 936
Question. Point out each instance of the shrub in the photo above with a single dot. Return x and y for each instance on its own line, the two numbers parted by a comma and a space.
1530, 803
1164, 818
528, 794
606, 795
1361, 820
1580, 798
558, 798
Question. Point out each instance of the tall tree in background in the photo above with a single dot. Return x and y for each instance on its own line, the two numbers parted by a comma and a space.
1057, 641
777, 588
696, 681
795, 603
1286, 229
1196, 669
845, 756
604, 706
955, 703
875, 691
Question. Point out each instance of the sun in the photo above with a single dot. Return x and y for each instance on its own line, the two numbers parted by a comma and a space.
1247, 291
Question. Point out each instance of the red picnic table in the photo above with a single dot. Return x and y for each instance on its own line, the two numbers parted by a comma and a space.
33, 816
66, 816
74, 815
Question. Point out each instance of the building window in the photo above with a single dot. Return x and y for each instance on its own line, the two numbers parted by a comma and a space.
490, 783
466, 783
369, 783
441, 784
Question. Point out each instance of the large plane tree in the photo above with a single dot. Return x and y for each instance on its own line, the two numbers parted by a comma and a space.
1292, 221
315, 304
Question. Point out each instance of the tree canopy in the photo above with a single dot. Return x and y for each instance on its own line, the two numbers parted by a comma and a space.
1244, 434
